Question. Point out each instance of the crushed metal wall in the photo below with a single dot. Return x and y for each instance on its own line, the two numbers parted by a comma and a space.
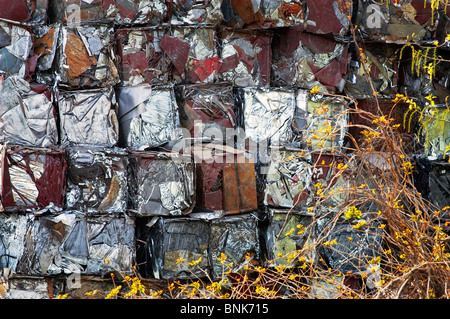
94, 97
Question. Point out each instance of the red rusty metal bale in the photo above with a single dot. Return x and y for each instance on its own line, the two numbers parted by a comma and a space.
32, 178
226, 179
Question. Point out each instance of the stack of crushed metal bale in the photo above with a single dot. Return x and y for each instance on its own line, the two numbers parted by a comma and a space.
145, 135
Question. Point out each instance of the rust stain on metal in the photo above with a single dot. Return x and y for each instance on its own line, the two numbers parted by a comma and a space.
77, 56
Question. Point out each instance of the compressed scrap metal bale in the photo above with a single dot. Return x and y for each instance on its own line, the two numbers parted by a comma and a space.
286, 233
435, 131
16, 50
381, 63
103, 11
207, 110
193, 54
72, 242
267, 114
32, 178
196, 12
141, 57
33, 12
76, 12
86, 57
148, 116
264, 14
308, 60
140, 11
288, 179
330, 183
167, 246
13, 228
328, 17
27, 114
236, 237
246, 57
349, 249
226, 179
395, 22
161, 184
88, 117
96, 180
320, 121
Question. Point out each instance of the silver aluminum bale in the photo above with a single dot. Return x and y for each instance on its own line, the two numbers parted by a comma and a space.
26, 117
289, 232
148, 117
72, 242
268, 114
321, 121
13, 57
236, 237
171, 244
86, 57
97, 180
288, 179
161, 184
88, 118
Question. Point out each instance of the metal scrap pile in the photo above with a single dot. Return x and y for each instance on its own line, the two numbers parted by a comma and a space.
145, 133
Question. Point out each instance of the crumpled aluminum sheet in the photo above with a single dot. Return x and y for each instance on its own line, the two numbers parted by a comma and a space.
15, 50
235, 236
382, 64
206, 110
246, 57
288, 179
13, 228
148, 116
163, 242
268, 114
30, 12
141, 57
203, 61
435, 132
196, 12
32, 178
394, 22
321, 121
308, 60
86, 57
27, 117
278, 244
71, 242
96, 180
350, 255
161, 184
88, 118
